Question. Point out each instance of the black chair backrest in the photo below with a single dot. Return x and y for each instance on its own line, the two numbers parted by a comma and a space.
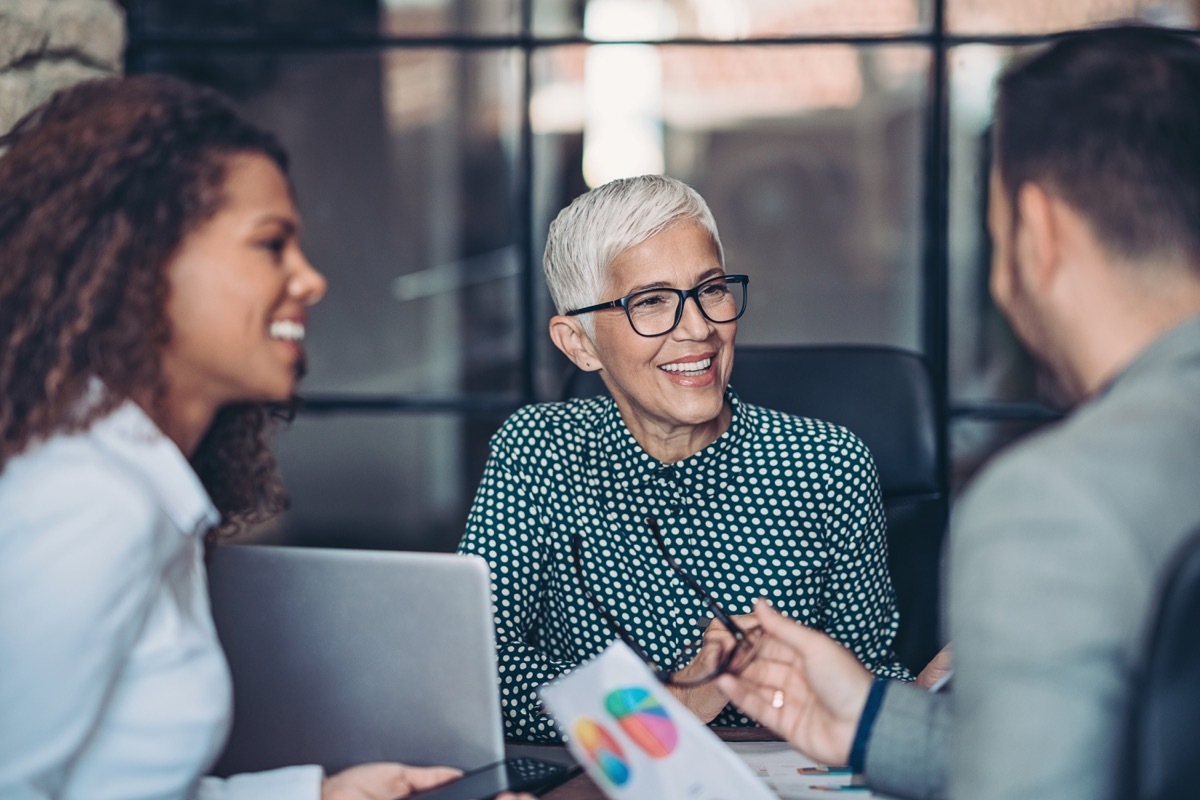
1163, 730
886, 397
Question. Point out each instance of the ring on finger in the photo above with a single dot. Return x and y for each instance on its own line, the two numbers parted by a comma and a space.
777, 699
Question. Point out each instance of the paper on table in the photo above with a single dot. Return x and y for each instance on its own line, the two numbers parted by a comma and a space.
637, 741
787, 773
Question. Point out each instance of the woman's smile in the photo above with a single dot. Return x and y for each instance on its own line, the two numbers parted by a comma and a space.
691, 370
290, 334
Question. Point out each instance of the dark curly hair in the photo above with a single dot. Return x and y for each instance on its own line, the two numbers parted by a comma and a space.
98, 188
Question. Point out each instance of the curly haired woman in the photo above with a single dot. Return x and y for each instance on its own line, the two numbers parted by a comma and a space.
153, 299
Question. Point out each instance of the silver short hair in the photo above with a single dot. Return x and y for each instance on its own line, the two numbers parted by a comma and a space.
598, 226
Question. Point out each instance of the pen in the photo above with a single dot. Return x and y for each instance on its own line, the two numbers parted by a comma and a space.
825, 770
941, 682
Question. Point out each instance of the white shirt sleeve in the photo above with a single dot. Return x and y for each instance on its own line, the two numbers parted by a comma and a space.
288, 783
77, 569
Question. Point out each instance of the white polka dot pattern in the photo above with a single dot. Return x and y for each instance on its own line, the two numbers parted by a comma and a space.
778, 506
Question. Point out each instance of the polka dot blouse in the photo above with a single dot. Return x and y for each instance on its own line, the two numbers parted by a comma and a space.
778, 506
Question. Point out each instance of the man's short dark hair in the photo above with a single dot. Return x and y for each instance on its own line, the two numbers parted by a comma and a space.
1109, 121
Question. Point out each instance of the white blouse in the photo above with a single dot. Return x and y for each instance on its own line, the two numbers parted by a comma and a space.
112, 680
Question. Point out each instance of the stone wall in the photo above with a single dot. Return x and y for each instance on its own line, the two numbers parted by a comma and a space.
48, 44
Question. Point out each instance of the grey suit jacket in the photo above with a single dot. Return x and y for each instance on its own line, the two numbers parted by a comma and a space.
1053, 561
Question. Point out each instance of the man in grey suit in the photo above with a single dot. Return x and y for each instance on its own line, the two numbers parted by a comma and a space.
1094, 212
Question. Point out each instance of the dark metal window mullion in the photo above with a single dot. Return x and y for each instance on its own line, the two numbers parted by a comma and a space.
935, 310
524, 205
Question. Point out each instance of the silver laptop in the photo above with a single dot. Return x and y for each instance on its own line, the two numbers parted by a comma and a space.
341, 657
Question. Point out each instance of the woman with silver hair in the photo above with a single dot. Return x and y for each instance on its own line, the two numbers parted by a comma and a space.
659, 513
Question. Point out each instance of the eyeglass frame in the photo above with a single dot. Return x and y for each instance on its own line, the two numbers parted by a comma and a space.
666, 677
682, 294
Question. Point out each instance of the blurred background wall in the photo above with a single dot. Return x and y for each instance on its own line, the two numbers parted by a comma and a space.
838, 143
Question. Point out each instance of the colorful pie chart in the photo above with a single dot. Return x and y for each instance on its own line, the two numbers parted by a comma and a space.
602, 750
643, 719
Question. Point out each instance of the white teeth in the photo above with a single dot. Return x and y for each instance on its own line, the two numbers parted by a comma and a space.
695, 366
287, 329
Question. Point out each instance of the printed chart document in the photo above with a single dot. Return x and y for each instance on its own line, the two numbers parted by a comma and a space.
637, 741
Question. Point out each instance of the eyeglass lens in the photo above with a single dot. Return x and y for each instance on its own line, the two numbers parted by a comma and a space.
656, 311
733, 661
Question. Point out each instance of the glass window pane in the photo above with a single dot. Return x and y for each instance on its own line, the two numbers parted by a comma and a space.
324, 19
656, 20
404, 165
815, 183
384, 481
974, 442
449, 17
987, 363
1039, 16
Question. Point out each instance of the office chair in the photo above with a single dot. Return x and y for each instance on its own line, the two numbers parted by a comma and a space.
886, 397
1162, 735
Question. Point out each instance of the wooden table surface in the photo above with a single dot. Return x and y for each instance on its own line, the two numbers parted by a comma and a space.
581, 787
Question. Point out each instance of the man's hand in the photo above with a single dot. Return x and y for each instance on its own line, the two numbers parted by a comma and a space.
804, 686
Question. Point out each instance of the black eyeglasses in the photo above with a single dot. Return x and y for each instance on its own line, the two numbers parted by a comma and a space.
655, 312
745, 645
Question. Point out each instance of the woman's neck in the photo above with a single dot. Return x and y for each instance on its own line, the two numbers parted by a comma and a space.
671, 444
184, 423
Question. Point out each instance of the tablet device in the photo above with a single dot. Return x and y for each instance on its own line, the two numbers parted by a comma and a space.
520, 774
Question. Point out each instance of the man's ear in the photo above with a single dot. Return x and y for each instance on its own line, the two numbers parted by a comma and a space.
1038, 235
568, 335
